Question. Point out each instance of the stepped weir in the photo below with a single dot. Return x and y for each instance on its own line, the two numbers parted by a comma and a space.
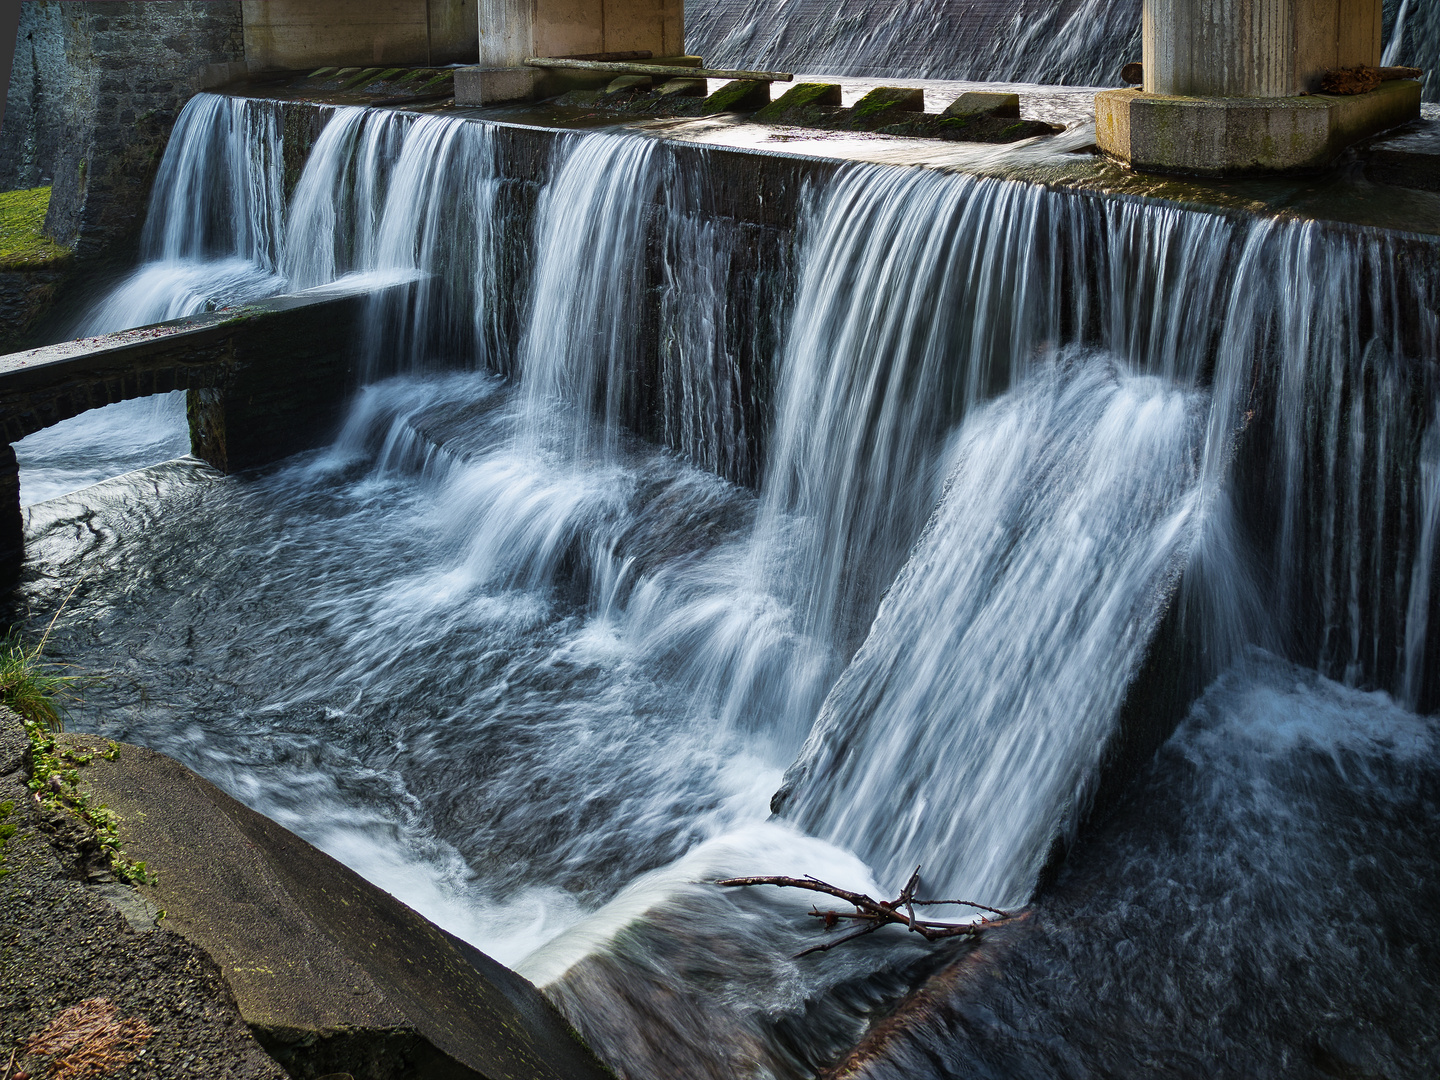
624, 496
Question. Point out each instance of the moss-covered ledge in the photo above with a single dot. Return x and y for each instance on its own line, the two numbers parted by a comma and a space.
32, 266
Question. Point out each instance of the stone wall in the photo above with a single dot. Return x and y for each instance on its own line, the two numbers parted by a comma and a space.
94, 90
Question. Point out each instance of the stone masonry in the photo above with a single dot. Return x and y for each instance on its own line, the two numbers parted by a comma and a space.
94, 91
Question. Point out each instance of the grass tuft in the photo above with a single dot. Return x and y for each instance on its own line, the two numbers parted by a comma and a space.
28, 686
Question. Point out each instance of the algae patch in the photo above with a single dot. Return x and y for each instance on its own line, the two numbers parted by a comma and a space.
22, 243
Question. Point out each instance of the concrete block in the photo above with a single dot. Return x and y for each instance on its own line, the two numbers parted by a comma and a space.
890, 99
804, 95
985, 104
742, 95
685, 88
1239, 136
492, 86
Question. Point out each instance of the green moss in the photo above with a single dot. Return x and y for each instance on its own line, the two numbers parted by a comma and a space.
742, 95
22, 244
899, 98
800, 96
7, 830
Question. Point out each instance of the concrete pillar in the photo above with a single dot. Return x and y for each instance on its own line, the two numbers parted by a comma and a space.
1232, 88
1254, 48
511, 30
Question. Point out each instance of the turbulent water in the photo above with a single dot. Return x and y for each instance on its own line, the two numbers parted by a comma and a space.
541, 678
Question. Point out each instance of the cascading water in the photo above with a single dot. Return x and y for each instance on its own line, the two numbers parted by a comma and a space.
1050, 42
212, 238
1078, 42
965, 733
541, 679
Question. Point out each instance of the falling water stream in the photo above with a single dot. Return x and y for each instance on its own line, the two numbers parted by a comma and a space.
540, 678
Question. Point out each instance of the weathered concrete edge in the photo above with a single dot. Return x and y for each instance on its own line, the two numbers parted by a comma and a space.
481, 1016
1192, 136
46, 363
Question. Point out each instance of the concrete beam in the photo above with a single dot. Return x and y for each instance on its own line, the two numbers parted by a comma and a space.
300, 34
511, 30
263, 382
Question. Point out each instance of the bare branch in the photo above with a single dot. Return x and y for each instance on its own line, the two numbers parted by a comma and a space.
875, 913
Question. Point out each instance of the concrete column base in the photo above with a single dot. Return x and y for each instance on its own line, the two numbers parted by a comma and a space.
1235, 136
494, 86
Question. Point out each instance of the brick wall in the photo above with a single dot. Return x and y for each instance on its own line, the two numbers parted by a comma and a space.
94, 91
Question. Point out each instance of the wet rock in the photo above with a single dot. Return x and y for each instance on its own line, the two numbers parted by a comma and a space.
886, 101
683, 88
629, 82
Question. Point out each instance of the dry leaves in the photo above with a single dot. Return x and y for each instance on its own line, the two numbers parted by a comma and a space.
89, 1040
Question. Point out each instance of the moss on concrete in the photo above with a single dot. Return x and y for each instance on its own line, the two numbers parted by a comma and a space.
889, 99
742, 95
800, 96
23, 244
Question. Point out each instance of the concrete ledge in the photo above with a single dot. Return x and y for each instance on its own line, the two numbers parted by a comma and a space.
1203, 136
330, 973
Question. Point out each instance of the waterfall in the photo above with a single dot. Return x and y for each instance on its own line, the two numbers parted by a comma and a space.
583, 339
215, 226
1007, 444
966, 733
1397, 37
1080, 42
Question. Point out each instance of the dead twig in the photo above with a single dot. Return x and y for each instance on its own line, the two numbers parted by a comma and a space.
876, 913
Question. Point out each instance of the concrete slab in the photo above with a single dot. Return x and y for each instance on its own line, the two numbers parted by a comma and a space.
330, 973
1243, 136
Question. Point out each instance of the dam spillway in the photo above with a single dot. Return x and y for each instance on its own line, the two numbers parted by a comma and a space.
896, 480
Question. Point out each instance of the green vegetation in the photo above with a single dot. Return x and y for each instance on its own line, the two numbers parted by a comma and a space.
27, 684
22, 244
742, 95
33, 690
800, 96
7, 830
55, 780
